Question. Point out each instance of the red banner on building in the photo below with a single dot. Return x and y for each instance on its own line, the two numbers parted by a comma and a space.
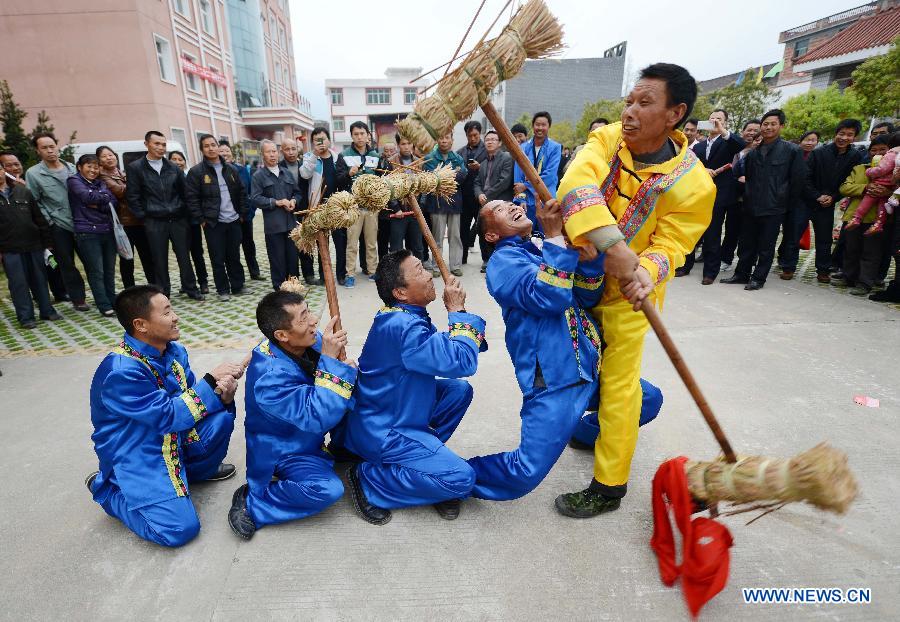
205, 73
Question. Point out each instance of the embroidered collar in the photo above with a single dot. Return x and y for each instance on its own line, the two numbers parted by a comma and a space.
145, 349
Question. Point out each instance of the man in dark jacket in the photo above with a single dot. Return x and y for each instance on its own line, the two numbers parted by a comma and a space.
775, 180
276, 192
24, 234
247, 242
716, 153
473, 154
155, 194
215, 199
494, 182
828, 167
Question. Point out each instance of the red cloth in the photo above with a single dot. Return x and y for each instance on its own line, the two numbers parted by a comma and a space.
804, 240
704, 558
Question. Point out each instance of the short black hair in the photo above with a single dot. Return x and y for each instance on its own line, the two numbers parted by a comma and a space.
887, 124
470, 125
272, 314
752, 122
133, 303
389, 275
224, 143
489, 132
723, 111
171, 153
518, 128
7, 153
87, 158
600, 120
884, 139
681, 87
153, 133
693, 121
538, 115
40, 135
360, 124
103, 148
320, 130
893, 140
775, 112
849, 124
203, 137
810, 133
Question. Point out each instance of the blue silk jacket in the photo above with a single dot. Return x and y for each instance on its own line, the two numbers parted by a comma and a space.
542, 294
396, 390
144, 406
288, 411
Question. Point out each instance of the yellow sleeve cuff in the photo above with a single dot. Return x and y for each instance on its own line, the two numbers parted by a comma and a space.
657, 264
584, 209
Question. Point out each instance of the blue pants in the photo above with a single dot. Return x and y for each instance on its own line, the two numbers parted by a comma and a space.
26, 278
548, 418
306, 485
173, 522
98, 253
411, 473
588, 429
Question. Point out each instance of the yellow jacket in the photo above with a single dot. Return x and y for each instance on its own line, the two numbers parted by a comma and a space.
667, 213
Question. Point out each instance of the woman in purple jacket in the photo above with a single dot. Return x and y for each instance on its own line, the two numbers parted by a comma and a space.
90, 201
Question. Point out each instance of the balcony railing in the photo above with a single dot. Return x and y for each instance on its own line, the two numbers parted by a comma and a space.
827, 22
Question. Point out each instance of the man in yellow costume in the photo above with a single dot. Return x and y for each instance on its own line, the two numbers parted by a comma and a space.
637, 193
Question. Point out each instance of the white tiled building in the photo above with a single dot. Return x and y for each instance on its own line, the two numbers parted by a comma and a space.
378, 102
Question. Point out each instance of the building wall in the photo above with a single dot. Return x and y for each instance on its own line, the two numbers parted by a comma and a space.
356, 108
811, 40
246, 40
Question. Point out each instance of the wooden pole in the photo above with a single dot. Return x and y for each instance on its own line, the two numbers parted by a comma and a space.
429, 239
647, 307
330, 284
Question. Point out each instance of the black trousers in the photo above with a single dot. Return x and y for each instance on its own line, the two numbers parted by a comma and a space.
822, 219
283, 258
249, 246
690, 259
406, 231
308, 266
339, 236
55, 281
384, 234
863, 255
487, 249
160, 231
757, 247
138, 238
733, 217
196, 239
712, 242
224, 243
64, 252
467, 218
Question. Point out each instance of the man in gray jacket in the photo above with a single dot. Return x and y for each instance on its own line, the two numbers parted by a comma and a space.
494, 181
47, 182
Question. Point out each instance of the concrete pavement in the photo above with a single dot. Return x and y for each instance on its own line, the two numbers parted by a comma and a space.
779, 366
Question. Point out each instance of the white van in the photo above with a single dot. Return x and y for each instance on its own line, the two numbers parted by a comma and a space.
127, 150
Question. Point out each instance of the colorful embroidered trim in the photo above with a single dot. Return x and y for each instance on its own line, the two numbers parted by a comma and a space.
192, 437
572, 323
333, 383
264, 348
581, 198
194, 404
591, 331
553, 276
462, 329
662, 264
588, 282
180, 376
173, 462
392, 310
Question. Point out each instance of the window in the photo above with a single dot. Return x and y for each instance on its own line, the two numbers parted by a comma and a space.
285, 75
164, 59
190, 79
177, 135
338, 124
206, 17
337, 97
214, 87
182, 8
409, 95
801, 47
272, 26
277, 72
282, 38
378, 96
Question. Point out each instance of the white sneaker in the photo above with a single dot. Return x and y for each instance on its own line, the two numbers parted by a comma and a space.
726, 267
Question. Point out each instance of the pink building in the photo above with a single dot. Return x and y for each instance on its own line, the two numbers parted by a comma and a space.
113, 69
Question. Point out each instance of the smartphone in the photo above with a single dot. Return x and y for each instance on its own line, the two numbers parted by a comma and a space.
705, 126
473, 161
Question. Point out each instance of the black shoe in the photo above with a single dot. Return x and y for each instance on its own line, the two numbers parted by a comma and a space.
89, 481
204, 289
238, 516
311, 280
448, 510
342, 454
585, 504
483, 269
574, 443
195, 295
368, 512
29, 324
682, 272
256, 277
53, 317
735, 280
225, 471
891, 294
754, 285
341, 280
63, 298
81, 306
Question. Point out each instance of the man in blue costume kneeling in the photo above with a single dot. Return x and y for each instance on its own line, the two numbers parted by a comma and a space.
409, 399
156, 427
299, 386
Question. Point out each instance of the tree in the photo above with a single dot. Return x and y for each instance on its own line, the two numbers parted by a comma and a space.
876, 84
44, 126
11, 116
563, 132
818, 110
610, 109
525, 120
703, 107
744, 101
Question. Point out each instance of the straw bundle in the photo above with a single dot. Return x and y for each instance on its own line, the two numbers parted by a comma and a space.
293, 284
338, 212
371, 192
819, 476
533, 33
441, 181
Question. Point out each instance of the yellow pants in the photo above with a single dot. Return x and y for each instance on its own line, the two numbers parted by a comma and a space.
367, 223
620, 389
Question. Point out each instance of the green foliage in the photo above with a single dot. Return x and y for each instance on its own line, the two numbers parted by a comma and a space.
11, 117
525, 120
744, 101
820, 111
703, 107
607, 108
876, 84
563, 132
